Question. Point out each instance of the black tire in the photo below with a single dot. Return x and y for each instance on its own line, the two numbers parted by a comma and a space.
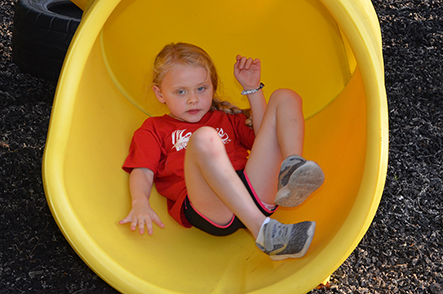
41, 35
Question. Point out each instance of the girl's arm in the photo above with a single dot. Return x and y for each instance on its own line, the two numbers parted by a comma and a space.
247, 71
141, 214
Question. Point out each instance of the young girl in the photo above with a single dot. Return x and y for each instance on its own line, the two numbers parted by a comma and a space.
198, 155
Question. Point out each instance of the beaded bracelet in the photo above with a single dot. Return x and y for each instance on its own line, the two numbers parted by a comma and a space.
244, 92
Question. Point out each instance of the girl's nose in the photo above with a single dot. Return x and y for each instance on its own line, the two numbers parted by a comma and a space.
193, 98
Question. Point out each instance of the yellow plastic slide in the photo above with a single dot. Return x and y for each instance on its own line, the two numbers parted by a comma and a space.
329, 51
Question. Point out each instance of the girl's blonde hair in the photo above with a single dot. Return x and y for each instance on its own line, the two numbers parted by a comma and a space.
188, 54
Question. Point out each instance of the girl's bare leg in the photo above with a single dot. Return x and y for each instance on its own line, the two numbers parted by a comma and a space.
281, 134
214, 187
217, 192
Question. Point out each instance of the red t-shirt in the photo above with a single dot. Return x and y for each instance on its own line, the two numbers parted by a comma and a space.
160, 144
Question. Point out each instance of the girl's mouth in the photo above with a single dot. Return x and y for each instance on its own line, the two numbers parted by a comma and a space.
193, 111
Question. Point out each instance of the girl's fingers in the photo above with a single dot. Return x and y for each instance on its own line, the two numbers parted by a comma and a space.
245, 63
133, 224
141, 223
248, 63
124, 221
141, 226
242, 63
158, 222
149, 227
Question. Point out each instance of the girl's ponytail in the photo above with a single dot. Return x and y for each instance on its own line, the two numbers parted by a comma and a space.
229, 108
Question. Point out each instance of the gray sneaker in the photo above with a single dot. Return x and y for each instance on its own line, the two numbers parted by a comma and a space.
282, 241
298, 178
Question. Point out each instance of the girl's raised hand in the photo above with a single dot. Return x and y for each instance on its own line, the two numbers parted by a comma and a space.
142, 215
247, 71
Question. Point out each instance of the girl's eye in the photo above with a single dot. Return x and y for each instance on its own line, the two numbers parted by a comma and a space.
181, 92
201, 89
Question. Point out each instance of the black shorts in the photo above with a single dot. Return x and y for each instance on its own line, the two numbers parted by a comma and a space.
203, 223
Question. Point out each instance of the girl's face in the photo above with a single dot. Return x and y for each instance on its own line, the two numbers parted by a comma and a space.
187, 91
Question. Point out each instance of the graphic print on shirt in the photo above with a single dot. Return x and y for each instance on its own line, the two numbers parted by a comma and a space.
224, 136
180, 139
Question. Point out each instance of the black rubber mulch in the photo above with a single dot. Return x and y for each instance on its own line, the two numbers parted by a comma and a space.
402, 250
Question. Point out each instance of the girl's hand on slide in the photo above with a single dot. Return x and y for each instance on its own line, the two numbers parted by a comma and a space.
141, 216
247, 71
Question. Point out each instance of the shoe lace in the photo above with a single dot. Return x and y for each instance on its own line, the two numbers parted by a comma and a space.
279, 236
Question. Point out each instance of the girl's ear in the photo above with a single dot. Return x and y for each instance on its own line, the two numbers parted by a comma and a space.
158, 94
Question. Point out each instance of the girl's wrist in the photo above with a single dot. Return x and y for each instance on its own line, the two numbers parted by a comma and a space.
253, 90
140, 200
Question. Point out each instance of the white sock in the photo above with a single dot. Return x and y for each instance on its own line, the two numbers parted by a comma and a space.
261, 238
270, 207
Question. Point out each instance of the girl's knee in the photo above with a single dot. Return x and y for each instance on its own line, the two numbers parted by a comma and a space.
285, 96
204, 133
205, 139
